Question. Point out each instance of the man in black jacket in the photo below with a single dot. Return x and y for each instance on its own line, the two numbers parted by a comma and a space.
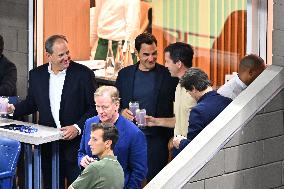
152, 86
8, 74
62, 91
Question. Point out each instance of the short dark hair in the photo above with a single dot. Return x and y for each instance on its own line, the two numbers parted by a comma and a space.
110, 132
181, 52
51, 40
196, 78
252, 62
147, 38
1, 45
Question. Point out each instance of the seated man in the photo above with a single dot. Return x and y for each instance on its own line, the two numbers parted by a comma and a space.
250, 67
130, 149
209, 104
106, 173
8, 74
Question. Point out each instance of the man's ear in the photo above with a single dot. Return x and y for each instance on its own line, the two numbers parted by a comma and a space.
48, 55
251, 72
108, 143
179, 64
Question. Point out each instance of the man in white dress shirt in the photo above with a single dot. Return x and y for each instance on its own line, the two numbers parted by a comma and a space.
250, 67
62, 92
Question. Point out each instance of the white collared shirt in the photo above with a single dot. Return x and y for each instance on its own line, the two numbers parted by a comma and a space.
232, 88
182, 106
56, 82
117, 20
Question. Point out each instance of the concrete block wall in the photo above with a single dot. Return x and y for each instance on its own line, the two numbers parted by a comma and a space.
278, 33
254, 157
14, 29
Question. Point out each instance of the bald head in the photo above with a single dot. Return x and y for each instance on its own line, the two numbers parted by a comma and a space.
250, 67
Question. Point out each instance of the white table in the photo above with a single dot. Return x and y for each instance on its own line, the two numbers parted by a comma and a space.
43, 135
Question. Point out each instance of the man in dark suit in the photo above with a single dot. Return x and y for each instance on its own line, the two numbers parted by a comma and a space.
153, 87
209, 104
8, 74
62, 91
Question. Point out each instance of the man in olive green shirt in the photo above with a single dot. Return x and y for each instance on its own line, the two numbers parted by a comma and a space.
106, 173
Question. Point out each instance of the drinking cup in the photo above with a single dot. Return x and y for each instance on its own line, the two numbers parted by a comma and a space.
133, 106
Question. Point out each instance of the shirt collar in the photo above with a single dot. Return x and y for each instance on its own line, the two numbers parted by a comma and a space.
239, 82
51, 72
110, 157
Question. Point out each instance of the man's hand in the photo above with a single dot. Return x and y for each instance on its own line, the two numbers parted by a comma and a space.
168, 122
177, 139
151, 121
86, 160
10, 108
127, 114
69, 132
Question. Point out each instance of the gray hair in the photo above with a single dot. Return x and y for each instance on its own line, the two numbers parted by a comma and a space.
51, 40
196, 78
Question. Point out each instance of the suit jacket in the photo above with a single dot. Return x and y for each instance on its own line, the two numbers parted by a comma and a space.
130, 149
8, 77
77, 100
208, 107
163, 94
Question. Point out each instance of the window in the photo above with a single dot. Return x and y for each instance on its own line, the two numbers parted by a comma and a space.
215, 28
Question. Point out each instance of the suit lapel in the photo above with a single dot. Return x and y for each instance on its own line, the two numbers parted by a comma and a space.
45, 86
66, 88
131, 79
45, 76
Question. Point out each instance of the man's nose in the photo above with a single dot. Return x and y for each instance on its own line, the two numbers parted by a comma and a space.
66, 57
99, 109
151, 58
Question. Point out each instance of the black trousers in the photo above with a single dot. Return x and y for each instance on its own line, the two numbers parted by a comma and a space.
67, 169
158, 153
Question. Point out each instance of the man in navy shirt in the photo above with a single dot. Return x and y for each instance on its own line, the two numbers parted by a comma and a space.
152, 86
209, 104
